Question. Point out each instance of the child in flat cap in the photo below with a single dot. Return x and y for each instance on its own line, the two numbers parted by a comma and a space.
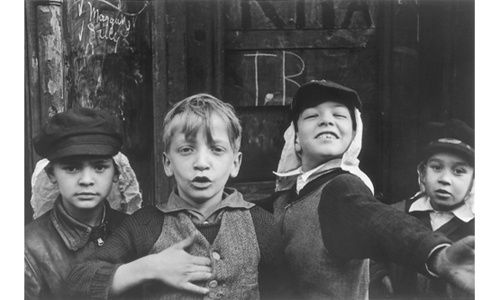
206, 241
444, 202
328, 215
80, 145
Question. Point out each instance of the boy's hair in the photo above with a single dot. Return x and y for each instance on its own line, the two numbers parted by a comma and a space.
196, 112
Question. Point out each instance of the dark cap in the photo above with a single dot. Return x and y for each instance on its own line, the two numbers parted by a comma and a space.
81, 131
453, 136
316, 92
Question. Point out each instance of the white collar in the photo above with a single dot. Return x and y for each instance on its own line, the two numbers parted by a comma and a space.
462, 212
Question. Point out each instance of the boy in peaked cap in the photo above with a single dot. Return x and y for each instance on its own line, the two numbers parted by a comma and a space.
328, 215
80, 145
444, 202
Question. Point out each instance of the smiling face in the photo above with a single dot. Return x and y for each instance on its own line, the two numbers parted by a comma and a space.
84, 182
201, 165
447, 179
324, 132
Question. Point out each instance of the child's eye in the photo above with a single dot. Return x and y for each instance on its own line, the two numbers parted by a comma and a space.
185, 150
70, 169
435, 167
101, 168
218, 149
340, 116
310, 116
460, 171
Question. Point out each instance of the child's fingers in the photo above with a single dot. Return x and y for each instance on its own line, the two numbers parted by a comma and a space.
197, 276
184, 243
200, 260
188, 286
198, 268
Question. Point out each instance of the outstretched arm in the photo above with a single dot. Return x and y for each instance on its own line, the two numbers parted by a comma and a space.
356, 225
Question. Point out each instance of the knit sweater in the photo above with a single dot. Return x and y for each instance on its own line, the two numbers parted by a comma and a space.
138, 234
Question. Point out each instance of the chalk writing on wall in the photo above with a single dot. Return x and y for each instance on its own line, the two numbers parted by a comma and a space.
102, 26
270, 98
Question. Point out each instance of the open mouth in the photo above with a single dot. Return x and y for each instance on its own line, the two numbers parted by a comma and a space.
327, 135
201, 182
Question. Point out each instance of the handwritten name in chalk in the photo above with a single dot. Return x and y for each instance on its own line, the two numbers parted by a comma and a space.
110, 26
270, 97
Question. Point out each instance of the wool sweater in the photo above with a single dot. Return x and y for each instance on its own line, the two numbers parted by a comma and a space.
342, 225
138, 235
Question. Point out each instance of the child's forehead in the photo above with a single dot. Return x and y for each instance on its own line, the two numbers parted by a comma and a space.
213, 128
448, 157
327, 104
82, 159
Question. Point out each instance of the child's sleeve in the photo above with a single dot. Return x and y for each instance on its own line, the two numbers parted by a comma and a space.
355, 225
33, 285
131, 240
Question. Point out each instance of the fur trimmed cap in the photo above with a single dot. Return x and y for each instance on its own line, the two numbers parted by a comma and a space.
81, 131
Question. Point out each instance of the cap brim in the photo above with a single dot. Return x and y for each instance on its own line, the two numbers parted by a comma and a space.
81, 150
467, 154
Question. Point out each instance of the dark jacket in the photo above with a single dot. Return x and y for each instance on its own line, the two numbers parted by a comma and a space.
408, 284
53, 243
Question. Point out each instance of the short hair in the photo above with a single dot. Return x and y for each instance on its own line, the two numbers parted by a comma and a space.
196, 112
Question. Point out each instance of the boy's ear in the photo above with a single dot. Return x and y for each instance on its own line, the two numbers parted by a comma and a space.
236, 165
52, 178
49, 170
115, 178
167, 167
297, 147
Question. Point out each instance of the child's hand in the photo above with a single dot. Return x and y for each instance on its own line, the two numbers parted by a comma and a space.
177, 268
173, 266
456, 264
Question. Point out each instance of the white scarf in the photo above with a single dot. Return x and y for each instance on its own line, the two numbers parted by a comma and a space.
290, 164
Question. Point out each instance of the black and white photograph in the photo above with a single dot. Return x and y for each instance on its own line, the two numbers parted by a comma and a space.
254, 149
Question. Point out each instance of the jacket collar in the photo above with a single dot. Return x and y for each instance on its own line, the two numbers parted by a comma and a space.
74, 233
231, 199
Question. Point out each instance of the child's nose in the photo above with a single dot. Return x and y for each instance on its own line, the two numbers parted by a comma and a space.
87, 177
202, 160
326, 120
445, 177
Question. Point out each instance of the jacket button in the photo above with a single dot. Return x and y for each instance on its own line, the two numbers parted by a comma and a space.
216, 255
212, 284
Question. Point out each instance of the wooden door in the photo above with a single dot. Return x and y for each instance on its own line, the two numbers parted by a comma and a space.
272, 47
255, 54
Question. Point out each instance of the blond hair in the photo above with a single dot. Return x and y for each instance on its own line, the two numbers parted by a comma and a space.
196, 112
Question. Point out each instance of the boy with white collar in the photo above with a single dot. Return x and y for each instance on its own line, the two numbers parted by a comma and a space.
330, 220
445, 200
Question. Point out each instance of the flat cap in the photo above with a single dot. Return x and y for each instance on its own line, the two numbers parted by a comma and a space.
80, 131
